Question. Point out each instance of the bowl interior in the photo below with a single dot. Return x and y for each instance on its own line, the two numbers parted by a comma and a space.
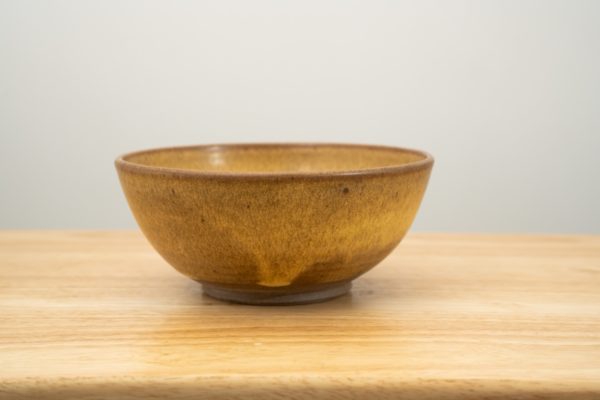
276, 158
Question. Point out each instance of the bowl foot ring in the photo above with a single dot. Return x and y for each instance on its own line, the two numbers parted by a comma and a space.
276, 297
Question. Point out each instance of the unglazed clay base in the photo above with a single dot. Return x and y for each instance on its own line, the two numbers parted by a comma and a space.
274, 296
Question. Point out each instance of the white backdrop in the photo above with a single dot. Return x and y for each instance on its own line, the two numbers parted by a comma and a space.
505, 94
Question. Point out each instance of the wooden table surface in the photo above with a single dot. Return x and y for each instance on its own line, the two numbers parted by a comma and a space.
91, 315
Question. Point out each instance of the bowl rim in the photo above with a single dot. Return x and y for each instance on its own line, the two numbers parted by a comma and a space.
426, 162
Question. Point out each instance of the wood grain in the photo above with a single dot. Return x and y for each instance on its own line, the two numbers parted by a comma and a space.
90, 315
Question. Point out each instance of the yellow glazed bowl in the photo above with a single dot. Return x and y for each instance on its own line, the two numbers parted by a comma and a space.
274, 223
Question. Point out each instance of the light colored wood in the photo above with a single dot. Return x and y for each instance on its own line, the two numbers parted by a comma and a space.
92, 315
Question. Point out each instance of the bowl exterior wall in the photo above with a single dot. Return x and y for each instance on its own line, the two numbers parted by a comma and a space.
286, 231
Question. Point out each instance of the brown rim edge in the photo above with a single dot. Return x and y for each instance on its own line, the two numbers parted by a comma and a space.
122, 163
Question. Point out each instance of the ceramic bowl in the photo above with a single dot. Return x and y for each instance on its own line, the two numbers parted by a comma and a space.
274, 223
